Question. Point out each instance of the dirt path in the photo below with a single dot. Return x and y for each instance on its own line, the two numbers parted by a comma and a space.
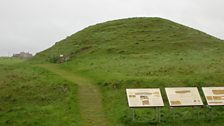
90, 101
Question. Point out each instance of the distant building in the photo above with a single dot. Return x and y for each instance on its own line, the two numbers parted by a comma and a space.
24, 55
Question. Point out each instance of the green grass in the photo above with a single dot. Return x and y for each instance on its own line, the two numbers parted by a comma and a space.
30, 95
9, 60
89, 97
113, 78
144, 52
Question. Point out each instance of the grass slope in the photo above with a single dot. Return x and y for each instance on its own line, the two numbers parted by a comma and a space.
144, 52
33, 96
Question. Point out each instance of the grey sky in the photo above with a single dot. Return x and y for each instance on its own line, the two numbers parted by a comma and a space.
34, 25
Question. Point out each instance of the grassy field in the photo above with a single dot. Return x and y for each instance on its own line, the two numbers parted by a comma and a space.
144, 52
30, 95
111, 76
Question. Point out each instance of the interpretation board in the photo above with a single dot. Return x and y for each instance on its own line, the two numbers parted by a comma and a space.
149, 97
214, 95
183, 96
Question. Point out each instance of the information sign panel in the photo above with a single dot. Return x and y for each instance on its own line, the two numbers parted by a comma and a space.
150, 97
214, 95
183, 96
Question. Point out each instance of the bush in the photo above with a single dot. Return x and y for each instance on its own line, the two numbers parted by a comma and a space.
53, 59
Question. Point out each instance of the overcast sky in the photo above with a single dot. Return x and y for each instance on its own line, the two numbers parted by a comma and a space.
35, 25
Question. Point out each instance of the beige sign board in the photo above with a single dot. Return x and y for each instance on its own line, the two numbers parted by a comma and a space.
183, 96
150, 97
214, 95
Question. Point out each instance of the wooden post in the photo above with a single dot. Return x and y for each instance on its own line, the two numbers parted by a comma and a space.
133, 114
158, 109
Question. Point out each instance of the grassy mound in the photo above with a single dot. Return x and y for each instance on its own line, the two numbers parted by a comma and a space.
144, 52
132, 36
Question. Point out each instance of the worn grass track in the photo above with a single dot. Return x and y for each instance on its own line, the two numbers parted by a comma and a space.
89, 97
